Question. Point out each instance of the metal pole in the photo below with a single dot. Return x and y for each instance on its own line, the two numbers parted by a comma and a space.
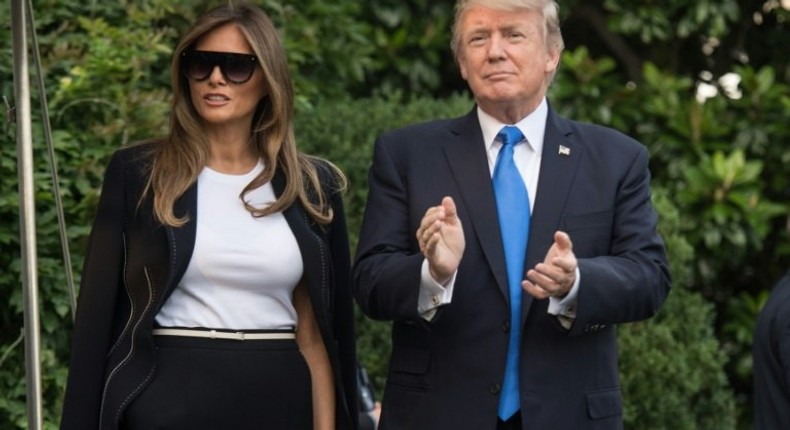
53, 162
27, 224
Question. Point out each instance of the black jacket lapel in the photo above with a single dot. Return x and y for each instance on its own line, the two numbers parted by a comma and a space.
559, 161
468, 161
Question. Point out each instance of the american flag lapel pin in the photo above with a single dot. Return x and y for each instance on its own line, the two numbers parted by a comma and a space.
564, 150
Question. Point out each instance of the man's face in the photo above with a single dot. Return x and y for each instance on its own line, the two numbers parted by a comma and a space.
504, 59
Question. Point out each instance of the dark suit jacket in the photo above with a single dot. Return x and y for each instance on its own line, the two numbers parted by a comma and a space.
133, 264
447, 373
772, 360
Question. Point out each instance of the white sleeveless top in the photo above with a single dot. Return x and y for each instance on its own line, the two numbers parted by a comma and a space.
243, 269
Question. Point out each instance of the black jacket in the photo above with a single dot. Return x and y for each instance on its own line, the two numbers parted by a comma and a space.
771, 351
132, 265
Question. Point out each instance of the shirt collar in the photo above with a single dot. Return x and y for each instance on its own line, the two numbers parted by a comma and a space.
533, 126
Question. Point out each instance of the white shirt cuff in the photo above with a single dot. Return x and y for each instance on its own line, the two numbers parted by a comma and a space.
566, 306
432, 293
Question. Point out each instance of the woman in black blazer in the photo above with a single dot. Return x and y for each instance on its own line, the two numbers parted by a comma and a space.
215, 289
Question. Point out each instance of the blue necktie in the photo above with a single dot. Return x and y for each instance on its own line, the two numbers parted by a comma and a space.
512, 202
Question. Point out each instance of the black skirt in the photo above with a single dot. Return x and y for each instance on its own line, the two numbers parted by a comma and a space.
224, 384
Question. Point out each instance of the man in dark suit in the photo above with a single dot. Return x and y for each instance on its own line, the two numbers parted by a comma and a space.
772, 360
505, 256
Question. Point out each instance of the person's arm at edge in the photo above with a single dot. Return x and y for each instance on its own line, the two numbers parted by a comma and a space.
311, 344
387, 270
101, 277
344, 329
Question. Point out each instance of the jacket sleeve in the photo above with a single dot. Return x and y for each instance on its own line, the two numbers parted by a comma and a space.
99, 287
386, 273
632, 281
344, 309
783, 329
342, 304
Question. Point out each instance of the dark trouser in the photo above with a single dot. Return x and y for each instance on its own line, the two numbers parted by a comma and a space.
224, 384
513, 423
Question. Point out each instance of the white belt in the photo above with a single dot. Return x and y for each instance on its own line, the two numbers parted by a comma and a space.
214, 334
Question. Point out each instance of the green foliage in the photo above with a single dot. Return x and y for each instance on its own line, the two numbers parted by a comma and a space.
676, 350
661, 21
358, 49
54, 306
672, 369
344, 133
741, 313
411, 41
108, 92
318, 35
725, 191
590, 84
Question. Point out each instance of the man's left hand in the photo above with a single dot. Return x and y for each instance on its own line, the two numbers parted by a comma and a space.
555, 276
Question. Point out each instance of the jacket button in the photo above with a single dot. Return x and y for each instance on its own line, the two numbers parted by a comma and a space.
494, 389
506, 326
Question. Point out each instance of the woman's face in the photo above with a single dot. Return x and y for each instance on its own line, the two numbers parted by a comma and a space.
218, 100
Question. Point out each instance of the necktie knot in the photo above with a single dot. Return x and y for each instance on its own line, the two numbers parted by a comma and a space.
510, 135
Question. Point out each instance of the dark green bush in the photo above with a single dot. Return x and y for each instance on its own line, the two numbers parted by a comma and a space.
344, 132
672, 369
672, 366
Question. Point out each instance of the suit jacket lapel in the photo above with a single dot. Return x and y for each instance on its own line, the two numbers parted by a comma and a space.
465, 152
559, 161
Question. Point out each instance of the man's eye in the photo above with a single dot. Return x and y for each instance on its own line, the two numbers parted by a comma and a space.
477, 40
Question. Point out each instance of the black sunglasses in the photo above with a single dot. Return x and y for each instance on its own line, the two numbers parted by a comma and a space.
236, 68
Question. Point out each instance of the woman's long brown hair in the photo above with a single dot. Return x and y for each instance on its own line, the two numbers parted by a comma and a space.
179, 158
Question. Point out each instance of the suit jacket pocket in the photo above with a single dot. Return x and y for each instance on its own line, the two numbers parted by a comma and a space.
604, 404
590, 233
409, 368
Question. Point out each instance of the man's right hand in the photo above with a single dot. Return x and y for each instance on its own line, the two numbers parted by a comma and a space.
441, 239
